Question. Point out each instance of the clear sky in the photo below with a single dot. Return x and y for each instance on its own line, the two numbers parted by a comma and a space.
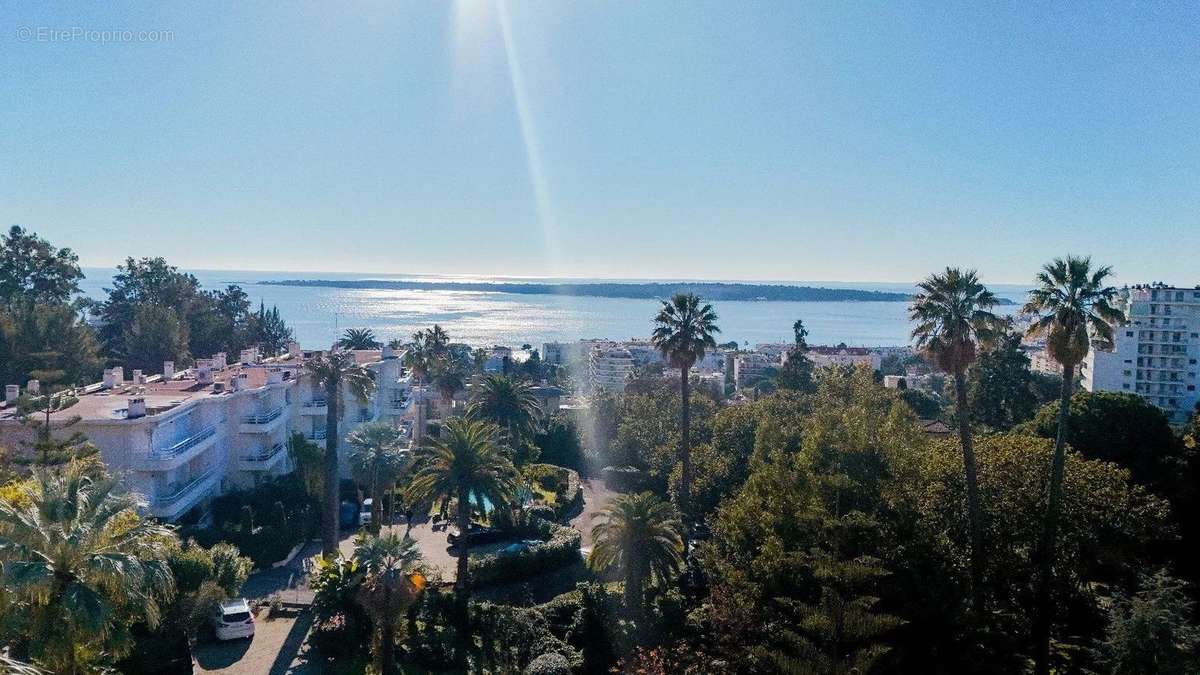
730, 140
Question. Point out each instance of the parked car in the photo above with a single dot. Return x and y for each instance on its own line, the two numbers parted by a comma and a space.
233, 619
364, 511
348, 514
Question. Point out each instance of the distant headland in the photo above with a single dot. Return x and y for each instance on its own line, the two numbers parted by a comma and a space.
712, 291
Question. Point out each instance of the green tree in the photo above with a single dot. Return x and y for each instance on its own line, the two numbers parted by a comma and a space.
81, 565
1152, 633
149, 281
267, 329
508, 403
336, 372
684, 330
464, 461
1002, 390
796, 374
1121, 428
392, 583
41, 337
32, 271
156, 334
1073, 309
953, 318
448, 378
641, 535
800, 334
359, 338
377, 458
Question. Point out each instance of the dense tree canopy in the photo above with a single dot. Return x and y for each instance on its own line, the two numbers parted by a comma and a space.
34, 271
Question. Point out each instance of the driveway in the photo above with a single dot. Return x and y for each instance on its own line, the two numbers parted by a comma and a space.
277, 648
595, 497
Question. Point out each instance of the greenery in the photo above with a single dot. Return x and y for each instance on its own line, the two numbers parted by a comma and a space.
336, 373
510, 405
1073, 310
642, 536
559, 547
265, 523
359, 338
1150, 633
465, 461
377, 459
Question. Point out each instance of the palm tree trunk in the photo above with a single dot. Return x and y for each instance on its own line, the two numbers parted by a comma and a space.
387, 637
1044, 618
685, 452
974, 513
461, 582
634, 580
329, 525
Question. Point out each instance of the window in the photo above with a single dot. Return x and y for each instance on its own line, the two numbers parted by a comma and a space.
1125, 386
1129, 333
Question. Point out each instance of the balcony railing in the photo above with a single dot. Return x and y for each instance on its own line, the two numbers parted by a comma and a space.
180, 447
316, 403
316, 435
265, 454
263, 418
182, 491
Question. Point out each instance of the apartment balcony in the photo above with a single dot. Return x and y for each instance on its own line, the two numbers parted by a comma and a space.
178, 451
316, 436
317, 406
176, 499
265, 458
262, 423
364, 416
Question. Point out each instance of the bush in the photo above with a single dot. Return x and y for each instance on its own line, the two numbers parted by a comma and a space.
627, 479
543, 511
264, 523
559, 547
549, 664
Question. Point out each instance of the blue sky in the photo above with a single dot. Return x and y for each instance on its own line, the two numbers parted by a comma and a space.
731, 140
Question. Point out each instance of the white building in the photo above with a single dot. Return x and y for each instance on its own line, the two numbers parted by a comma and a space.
1155, 354
609, 366
183, 438
825, 357
750, 365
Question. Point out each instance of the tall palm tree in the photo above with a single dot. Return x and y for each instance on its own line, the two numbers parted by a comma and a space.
359, 338
336, 372
377, 458
953, 318
684, 330
82, 566
465, 461
1073, 309
643, 536
392, 582
508, 403
425, 350
447, 377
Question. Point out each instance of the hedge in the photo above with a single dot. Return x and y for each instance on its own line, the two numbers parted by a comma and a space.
563, 482
559, 547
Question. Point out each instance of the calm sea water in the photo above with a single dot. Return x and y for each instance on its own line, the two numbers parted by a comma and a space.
318, 315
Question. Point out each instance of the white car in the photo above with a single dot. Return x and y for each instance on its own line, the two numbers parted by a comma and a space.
233, 620
364, 513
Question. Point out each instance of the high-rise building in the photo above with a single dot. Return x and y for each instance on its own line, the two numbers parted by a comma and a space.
1155, 354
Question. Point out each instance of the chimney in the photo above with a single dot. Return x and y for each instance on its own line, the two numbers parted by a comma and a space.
119, 375
294, 350
110, 378
168, 370
240, 382
204, 371
219, 361
11, 393
138, 378
136, 408
249, 355
33, 387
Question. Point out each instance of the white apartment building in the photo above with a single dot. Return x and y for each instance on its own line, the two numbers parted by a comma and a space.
1155, 355
749, 365
609, 366
825, 357
182, 438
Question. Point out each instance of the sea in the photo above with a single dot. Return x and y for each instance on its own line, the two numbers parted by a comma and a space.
319, 315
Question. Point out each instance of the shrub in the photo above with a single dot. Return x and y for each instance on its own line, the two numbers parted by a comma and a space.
543, 511
559, 547
627, 479
549, 664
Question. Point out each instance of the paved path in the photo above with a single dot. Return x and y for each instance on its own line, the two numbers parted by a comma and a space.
595, 497
277, 648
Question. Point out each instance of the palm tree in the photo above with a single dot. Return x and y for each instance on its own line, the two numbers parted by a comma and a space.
82, 565
953, 318
465, 461
643, 536
508, 403
448, 378
359, 338
377, 458
335, 372
392, 582
1072, 308
684, 330
427, 348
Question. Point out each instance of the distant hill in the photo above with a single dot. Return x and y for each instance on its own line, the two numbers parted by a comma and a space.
649, 290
